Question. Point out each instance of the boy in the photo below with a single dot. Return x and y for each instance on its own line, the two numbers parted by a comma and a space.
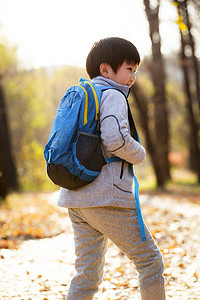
107, 208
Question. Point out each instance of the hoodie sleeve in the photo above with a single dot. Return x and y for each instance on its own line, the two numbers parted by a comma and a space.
115, 130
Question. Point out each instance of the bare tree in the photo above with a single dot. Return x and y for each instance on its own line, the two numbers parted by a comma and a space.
157, 141
190, 66
8, 175
142, 104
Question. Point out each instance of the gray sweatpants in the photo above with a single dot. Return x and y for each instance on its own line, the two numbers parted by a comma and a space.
92, 228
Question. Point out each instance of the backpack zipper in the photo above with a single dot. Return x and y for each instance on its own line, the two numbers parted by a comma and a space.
122, 170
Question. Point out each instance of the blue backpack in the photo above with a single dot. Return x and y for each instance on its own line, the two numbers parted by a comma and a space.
73, 152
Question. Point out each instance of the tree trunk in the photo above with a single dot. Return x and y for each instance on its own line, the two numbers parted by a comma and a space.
8, 175
193, 57
160, 103
142, 104
190, 72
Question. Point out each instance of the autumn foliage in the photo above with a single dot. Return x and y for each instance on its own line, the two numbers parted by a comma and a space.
27, 216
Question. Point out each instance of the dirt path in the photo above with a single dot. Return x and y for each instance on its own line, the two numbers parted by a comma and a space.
41, 269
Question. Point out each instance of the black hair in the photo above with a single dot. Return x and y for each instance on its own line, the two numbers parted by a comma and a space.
114, 51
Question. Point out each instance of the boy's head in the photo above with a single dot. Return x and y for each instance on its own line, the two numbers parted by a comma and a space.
113, 51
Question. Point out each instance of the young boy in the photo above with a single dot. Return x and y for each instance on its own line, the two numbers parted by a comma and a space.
107, 207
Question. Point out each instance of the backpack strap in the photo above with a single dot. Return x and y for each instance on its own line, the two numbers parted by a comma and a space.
96, 91
96, 100
138, 206
86, 105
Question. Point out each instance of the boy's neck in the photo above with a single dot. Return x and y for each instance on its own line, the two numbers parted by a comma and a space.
108, 82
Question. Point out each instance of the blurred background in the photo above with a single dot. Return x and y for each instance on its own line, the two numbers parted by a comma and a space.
43, 48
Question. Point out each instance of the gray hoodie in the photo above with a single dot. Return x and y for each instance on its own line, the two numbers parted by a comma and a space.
114, 185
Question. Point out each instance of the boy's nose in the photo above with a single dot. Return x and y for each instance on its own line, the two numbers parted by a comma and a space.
133, 76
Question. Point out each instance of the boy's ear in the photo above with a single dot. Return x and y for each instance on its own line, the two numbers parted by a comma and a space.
104, 69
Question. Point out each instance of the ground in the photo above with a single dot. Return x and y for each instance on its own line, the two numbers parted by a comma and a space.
40, 265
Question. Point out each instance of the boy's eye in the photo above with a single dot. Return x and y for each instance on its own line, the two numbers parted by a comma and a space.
132, 70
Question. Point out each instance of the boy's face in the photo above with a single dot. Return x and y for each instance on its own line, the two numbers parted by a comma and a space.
126, 74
